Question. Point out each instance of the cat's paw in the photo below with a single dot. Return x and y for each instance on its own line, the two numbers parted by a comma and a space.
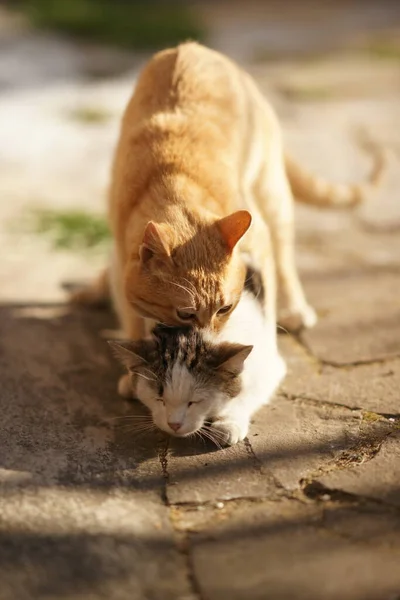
298, 318
125, 386
229, 433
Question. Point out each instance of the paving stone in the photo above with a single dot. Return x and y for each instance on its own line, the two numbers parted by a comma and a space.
360, 316
62, 419
291, 440
276, 551
378, 478
81, 501
334, 241
373, 387
199, 473
60, 542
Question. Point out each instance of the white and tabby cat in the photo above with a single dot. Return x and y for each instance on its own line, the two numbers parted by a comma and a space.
189, 377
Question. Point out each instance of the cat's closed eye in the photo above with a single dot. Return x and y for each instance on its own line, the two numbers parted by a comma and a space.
224, 310
185, 316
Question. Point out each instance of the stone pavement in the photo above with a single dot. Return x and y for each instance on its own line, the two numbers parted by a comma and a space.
306, 508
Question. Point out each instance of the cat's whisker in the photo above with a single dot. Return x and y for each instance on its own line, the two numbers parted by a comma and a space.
283, 328
139, 429
215, 433
189, 283
197, 434
218, 435
211, 436
137, 418
144, 376
182, 287
137, 426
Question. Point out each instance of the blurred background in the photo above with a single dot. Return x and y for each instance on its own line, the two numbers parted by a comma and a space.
68, 67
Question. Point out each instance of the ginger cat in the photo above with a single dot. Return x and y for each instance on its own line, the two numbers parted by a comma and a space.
199, 159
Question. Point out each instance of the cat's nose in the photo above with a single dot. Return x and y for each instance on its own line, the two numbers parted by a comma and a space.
174, 425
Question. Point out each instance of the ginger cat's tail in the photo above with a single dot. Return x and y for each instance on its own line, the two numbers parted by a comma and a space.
311, 189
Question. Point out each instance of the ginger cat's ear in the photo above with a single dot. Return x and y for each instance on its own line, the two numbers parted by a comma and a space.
155, 242
233, 227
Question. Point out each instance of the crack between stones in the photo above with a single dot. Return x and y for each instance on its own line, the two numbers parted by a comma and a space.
249, 449
314, 490
260, 468
318, 402
182, 539
359, 454
299, 338
360, 363
217, 504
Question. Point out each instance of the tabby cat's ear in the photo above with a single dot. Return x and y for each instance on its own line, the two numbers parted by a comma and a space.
155, 242
133, 354
231, 357
233, 227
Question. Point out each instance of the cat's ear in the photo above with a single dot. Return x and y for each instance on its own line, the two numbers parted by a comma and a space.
132, 354
231, 357
155, 242
233, 227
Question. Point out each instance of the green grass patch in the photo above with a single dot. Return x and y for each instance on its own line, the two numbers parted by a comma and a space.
124, 23
307, 93
72, 229
89, 115
384, 50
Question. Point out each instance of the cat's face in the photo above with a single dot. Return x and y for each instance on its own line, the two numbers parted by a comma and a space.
197, 282
182, 378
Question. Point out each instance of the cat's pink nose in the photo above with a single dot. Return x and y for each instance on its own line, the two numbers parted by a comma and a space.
174, 426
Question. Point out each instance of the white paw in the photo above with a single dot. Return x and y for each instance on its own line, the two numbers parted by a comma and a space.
125, 386
295, 319
229, 433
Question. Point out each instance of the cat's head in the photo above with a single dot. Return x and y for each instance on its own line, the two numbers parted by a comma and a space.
184, 379
189, 277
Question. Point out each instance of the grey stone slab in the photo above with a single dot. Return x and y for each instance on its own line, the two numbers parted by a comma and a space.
199, 473
88, 544
62, 419
335, 241
277, 551
378, 478
359, 316
82, 513
373, 387
291, 440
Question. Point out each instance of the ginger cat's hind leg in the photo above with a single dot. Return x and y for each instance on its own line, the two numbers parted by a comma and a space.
94, 295
274, 200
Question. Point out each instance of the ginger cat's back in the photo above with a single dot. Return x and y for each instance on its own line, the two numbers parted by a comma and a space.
176, 187
190, 109
199, 148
